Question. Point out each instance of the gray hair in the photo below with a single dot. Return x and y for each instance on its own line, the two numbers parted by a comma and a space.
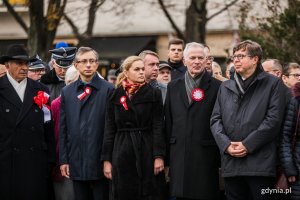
72, 75
191, 45
83, 50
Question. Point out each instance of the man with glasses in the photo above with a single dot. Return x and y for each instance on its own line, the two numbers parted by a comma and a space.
246, 122
291, 74
62, 59
82, 120
27, 150
209, 59
36, 68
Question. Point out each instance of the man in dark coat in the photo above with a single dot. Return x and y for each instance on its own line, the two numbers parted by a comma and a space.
62, 59
27, 149
175, 55
194, 157
246, 122
82, 118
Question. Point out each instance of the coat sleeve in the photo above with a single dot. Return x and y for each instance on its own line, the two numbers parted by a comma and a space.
271, 123
109, 131
286, 152
49, 139
168, 123
159, 145
216, 124
63, 132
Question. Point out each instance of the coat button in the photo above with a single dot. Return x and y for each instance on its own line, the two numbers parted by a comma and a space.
6, 110
33, 128
31, 148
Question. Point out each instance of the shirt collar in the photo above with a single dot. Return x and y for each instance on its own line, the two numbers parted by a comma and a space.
14, 82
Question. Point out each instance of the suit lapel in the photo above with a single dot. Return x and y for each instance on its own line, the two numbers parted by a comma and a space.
30, 92
9, 93
182, 92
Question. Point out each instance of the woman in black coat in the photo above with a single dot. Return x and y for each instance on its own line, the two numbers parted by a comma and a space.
134, 145
289, 153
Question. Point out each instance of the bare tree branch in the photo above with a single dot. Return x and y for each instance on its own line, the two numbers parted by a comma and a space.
223, 9
12, 11
175, 27
95, 4
73, 26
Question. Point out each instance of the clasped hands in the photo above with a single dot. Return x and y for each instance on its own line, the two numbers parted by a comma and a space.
237, 149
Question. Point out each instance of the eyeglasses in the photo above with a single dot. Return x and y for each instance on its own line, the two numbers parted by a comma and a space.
295, 75
239, 56
37, 70
85, 61
211, 58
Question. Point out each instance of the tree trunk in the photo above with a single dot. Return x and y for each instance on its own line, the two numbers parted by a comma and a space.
196, 21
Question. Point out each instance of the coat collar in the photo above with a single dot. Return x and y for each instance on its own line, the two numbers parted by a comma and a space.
9, 93
204, 85
142, 95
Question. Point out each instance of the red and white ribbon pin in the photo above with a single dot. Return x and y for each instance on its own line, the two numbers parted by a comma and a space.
123, 102
197, 94
86, 92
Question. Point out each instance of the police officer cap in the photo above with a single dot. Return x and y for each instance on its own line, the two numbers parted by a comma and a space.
36, 63
64, 56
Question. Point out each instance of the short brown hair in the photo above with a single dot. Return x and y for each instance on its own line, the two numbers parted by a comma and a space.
252, 48
176, 41
83, 50
287, 68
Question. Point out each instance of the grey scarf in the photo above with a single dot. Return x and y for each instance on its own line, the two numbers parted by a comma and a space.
191, 84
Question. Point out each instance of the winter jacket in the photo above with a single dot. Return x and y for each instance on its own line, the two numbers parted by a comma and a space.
254, 118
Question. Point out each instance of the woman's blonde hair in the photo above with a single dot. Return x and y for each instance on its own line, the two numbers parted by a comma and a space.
126, 65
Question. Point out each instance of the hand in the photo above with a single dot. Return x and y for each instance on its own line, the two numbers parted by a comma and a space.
158, 165
292, 179
237, 149
107, 169
65, 170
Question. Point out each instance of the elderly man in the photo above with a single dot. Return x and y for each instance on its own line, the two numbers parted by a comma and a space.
27, 149
273, 66
62, 59
246, 122
82, 118
194, 155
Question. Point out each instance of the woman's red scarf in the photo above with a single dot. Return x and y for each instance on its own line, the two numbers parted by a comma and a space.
131, 88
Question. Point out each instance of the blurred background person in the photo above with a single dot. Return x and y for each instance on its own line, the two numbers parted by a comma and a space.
111, 77
36, 68
164, 73
273, 66
229, 69
2, 70
63, 187
291, 74
209, 59
134, 145
62, 59
217, 72
175, 55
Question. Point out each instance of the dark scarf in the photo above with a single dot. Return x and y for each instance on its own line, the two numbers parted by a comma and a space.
296, 90
243, 85
192, 83
131, 88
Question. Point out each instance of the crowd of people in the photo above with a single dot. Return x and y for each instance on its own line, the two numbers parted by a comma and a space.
154, 130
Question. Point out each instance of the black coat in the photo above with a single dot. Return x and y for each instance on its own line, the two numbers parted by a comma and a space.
254, 119
290, 156
27, 147
178, 70
55, 85
194, 155
133, 139
82, 128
